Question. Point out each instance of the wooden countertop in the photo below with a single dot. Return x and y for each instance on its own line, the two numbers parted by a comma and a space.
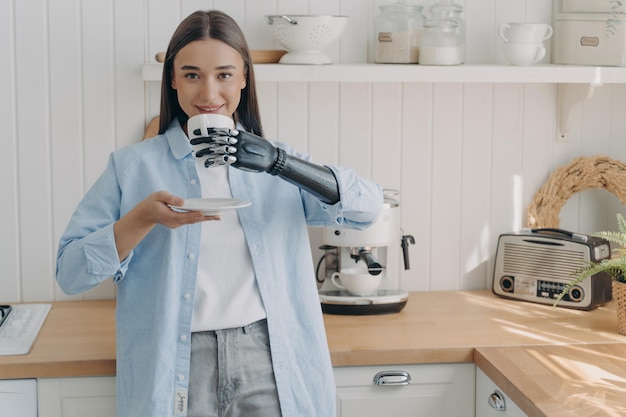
77, 339
553, 362
448, 326
560, 381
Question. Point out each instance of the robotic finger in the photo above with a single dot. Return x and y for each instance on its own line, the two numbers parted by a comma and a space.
219, 160
218, 149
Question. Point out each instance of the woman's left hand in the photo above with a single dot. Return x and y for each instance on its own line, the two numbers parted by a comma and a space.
241, 149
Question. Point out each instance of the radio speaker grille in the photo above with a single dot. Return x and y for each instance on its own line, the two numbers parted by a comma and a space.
541, 261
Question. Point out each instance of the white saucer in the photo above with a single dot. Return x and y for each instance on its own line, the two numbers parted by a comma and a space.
211, 206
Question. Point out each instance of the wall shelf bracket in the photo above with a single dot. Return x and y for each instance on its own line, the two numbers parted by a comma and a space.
570, 99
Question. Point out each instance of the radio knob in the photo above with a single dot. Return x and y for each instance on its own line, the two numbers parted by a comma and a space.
576, 294
507, 283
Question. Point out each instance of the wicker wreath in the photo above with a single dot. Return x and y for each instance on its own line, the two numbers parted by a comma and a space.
581, 174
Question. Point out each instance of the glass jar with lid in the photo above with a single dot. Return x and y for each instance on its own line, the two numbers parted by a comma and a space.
398, 30
449, 10
440, 43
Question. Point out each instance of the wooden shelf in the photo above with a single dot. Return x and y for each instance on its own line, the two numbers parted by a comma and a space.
559, 74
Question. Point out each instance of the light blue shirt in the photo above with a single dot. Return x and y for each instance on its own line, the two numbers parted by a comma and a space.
156, 282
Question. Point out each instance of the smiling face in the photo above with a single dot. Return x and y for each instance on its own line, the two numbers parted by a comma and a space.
208, 76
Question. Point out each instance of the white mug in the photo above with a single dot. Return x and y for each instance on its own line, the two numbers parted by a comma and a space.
198, 125
522, 54
521, 32
356, 281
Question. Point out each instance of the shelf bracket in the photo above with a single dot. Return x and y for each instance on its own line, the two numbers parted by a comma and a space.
570, 98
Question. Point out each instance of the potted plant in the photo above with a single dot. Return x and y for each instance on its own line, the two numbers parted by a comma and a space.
615, 266
615, 8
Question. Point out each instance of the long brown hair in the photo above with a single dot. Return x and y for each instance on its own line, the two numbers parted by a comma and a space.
202, 25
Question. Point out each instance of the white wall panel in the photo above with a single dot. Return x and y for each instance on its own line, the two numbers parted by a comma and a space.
597, 129
387, 134
480, 40
506, 175
476, 167
66, 110
293, 123
162, 17
618, 145
354, 47
33, 150
467, 158
10, 283
129, 56
355, 130
446, 187
256, 28
268, 107
98, 87
324, 122
539, 127
417, 175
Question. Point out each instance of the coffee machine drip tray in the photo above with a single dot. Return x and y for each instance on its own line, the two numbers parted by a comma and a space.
381, 302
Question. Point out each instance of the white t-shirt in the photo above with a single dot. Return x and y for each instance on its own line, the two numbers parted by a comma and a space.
227, 294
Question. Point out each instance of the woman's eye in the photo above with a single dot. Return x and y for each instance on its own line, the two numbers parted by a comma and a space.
225, 75
192, 76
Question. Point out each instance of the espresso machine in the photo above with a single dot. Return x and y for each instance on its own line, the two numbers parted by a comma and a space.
379, 249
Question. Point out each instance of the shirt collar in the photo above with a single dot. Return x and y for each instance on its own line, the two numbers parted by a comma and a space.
178, 140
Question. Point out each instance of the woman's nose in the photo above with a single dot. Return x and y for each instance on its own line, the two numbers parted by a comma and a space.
209, 89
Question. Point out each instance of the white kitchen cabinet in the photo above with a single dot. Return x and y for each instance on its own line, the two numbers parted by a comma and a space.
77, 397
18, 397
486, 389
443, 390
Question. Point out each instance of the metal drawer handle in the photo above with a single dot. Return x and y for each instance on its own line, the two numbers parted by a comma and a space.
392, 378
496, 401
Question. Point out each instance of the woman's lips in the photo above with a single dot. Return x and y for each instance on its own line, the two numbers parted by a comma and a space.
213, 109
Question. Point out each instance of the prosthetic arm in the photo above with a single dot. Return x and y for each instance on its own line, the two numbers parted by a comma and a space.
249, 152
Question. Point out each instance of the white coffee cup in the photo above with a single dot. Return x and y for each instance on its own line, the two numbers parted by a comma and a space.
356, 281
198, 125
522, 54
521, 32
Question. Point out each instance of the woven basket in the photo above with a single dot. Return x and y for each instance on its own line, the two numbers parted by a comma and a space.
619, 295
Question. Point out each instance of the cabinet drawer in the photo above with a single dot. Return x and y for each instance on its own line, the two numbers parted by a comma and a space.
77, 397
445, 390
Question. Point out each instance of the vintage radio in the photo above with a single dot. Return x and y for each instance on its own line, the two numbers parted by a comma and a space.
536, 265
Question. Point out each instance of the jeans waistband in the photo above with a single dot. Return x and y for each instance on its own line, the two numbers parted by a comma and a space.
243, 329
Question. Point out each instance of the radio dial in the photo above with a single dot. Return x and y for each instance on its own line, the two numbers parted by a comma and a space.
507, 283
576, 294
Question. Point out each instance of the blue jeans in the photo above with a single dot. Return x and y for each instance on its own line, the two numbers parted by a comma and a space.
231, 373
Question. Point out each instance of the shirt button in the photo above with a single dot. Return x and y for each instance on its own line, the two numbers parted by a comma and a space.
193, 182
181, 377
183, 337
187, 296
191, 256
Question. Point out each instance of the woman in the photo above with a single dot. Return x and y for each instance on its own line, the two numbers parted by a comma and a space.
216, 315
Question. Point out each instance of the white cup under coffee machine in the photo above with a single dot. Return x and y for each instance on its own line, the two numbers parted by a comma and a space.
378, 251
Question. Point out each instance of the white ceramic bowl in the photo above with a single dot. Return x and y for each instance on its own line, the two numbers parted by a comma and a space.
305, 36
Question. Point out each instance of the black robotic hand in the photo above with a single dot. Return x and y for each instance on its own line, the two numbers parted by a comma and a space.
250, 152
238, 148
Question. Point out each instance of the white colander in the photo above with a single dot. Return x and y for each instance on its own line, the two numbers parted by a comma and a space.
305, 36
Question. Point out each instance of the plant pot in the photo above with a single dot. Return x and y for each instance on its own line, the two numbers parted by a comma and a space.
619, 295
